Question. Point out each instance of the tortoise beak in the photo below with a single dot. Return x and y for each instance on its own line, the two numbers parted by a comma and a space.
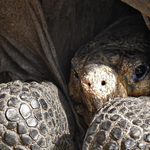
99, 86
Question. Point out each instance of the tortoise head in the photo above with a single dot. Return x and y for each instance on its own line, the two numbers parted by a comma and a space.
115, 64
106, 72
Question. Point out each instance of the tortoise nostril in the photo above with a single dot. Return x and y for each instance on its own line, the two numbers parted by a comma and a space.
103, 83
89, 84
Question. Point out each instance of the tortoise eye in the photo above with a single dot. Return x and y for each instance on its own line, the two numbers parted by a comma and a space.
76, 74
140, 72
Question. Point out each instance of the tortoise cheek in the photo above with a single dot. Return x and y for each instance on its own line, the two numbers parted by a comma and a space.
141, 88
122, 91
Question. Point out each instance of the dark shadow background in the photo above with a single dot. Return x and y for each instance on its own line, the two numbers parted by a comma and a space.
73, 23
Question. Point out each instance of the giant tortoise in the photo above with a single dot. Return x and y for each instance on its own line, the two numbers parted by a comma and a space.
38, 38
114, 64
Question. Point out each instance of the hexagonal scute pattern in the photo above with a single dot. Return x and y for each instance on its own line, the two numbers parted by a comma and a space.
35, 116
122, 124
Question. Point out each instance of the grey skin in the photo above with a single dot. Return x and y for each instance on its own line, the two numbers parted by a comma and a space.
38, 38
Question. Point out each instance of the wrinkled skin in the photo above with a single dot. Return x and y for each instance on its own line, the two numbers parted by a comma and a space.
114, 64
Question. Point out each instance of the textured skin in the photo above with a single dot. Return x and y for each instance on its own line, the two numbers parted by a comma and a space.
35, 116
120, 125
